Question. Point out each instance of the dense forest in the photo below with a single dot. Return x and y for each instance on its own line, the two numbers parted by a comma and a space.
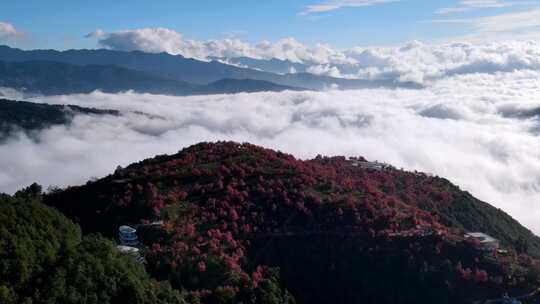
44, 259
236, 223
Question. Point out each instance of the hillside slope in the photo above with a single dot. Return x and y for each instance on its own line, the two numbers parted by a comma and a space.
230, 86
338, 231
54, 78
29, 116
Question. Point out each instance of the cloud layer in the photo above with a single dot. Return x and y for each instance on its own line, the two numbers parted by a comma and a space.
416, 61
464, 127
469, 5
156, 40
337, 4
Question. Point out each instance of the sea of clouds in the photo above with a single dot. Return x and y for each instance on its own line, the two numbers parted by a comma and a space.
478, 129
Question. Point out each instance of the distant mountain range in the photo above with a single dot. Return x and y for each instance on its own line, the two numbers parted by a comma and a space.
55, 78
280, 66
155, 73
272, 65
231, 85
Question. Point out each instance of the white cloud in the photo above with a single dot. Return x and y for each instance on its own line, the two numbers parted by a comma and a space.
337, 4
98, 33
522, 25
324, 70
416, 61
460, 127
8, 32
511, 23
423, 63
469, 5
451, 10
157, 40
154, 40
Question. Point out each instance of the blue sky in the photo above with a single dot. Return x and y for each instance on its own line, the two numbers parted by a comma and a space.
62, 24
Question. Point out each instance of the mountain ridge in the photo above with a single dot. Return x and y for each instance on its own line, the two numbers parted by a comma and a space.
190, 70
340, 230
56, 78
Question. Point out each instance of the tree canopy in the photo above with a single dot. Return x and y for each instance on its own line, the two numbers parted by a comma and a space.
44, 259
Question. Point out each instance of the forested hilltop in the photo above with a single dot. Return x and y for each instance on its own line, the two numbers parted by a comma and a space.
236, 223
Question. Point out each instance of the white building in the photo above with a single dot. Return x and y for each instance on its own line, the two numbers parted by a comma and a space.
487, 243
128, 236
369, 165
159, 223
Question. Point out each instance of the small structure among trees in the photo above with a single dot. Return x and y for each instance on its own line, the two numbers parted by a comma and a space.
377, 166
486, 242
131, 251
128, 236
128, 240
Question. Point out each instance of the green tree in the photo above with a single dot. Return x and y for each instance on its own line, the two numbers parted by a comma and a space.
43, 259
32, 192
33, 238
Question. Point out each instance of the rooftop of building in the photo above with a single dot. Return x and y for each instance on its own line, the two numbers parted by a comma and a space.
126, 229
127, 249
482, 237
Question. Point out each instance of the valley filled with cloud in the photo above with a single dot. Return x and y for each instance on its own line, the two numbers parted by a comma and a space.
480, 130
